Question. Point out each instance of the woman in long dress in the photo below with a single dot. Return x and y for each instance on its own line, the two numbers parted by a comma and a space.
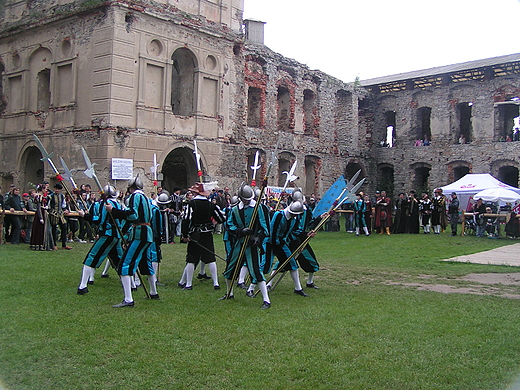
41, 236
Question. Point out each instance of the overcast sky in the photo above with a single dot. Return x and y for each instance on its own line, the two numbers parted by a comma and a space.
372, 38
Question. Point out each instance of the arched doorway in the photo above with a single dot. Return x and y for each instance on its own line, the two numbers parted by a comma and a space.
179, 169
33, 168
508, 175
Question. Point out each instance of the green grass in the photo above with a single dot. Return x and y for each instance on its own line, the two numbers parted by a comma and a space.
356, 332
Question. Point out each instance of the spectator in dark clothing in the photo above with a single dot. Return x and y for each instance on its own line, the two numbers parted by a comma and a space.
14, 203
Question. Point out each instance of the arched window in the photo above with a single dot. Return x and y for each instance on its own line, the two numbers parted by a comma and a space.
390, 128
3, 103
312, 173
310, 117
464, 115
283, 99
183, 94
254, 107
40, 80
424, 131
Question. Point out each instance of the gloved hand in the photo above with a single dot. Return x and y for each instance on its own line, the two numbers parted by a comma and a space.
245, 232
256, 241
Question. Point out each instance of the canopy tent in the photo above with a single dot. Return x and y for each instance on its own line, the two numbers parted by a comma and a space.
472, 183
498, 195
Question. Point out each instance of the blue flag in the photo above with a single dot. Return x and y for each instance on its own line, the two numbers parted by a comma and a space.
325, 204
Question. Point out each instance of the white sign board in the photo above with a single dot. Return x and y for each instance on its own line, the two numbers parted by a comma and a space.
122, 168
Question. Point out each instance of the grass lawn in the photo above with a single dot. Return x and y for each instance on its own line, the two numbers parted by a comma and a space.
367, 327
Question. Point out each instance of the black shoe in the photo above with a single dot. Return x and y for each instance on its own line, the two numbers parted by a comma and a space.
124, 304
154, 296
300, 292
312, 285
217, 287
82, 291
90, 282
133, 288
250, 294
242, 285
226, 297
104, 276
186, 288
181, 285
203, 277
265, 305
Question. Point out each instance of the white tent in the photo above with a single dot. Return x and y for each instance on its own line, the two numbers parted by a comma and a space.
498, 195
469, 185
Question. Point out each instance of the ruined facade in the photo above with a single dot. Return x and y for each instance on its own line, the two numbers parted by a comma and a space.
130, 78
468, 112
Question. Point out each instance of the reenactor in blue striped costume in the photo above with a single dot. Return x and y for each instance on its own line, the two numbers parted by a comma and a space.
284, 225
306, 223
140, 237
108, 237
238, 223
153, 255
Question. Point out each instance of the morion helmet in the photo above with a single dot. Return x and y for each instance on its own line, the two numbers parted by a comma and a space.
163, 198
109, 191
246, 193
136, 183
295, 207
235, 200
298, 196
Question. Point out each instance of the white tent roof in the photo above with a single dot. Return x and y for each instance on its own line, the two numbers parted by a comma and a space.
476, 182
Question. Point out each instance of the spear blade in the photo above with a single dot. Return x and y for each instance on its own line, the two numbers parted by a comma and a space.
68, 174
46, 156
90, 172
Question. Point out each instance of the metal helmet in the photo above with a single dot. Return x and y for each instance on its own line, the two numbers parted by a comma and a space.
163, 198
297, 195
235, 200
295, 207
246, 193
109, 191
136, 183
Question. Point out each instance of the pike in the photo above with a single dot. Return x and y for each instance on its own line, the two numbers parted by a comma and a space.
154, 171
350, 196
337, 203
47, 157
255, 167
197, 160
350, 183
290, 178
239, 262
68, 175
91, 173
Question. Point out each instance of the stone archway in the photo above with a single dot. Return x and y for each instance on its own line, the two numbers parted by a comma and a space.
509, 175
32, 168
179, 169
